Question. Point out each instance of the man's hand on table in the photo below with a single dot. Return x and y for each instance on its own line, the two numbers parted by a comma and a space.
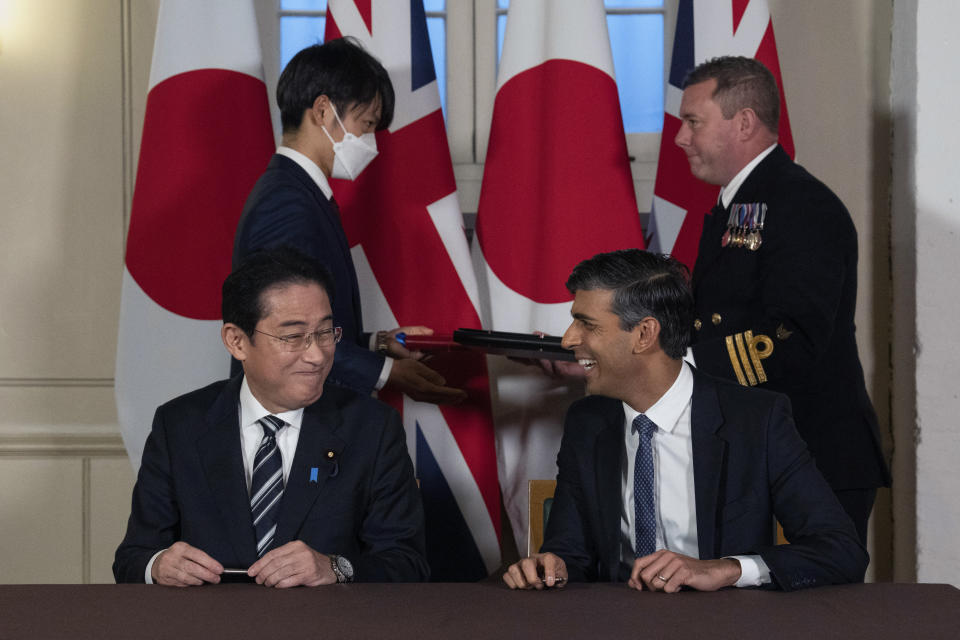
668, 571
183, 565
538, 571
292, 565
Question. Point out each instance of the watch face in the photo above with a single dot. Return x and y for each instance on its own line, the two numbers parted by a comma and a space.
345, 567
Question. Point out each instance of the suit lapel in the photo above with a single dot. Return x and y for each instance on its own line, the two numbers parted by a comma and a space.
709, 450
312, 466
334, 211
222, 461
709, 248
609, 453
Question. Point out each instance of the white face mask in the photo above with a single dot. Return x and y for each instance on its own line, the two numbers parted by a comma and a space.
352, 154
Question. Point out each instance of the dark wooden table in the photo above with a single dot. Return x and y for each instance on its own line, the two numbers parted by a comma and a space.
481, 610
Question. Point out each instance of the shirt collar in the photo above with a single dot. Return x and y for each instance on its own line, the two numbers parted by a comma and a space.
251, 411
310, 167
666, 412
729, 190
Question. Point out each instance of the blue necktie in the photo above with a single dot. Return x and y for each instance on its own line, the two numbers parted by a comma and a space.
644, 505
266, 489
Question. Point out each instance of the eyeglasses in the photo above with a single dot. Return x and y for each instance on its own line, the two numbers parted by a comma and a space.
302, 341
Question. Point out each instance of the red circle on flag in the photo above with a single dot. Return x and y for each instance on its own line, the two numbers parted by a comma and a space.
557, 187
206, 139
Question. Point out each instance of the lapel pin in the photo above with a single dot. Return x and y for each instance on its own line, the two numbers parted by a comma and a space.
313, 474
331, 455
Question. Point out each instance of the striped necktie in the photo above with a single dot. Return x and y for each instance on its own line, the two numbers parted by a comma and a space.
644, 504
266, 489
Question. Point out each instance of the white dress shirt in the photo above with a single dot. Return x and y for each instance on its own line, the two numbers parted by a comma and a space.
251, 433
318, 177
674, 492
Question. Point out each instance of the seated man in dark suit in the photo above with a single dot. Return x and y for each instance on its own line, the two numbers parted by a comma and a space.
272, 472
669, 478
332, 97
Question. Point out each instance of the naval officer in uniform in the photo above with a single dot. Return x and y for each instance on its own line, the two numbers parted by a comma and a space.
775, 281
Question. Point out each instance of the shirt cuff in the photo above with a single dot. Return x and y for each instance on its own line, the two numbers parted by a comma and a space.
147, 578
384, 373
754, 572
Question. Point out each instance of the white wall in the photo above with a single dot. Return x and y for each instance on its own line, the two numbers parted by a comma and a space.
65, 482
925, 242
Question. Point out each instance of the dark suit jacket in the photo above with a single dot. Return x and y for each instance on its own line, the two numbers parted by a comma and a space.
364, 504
749, 465
800, 290
286, 207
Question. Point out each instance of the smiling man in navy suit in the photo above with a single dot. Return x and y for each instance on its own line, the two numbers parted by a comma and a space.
274, 474
668, 477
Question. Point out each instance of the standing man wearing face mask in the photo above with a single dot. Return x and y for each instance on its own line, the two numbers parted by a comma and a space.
332, 97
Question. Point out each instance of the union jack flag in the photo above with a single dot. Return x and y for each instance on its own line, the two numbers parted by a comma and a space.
405, 228
705, 29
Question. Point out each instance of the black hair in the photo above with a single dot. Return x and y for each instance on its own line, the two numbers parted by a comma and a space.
741, 83
243, 289
340, 69
644, 285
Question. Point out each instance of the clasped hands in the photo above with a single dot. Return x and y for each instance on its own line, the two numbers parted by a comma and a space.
662, 570
291, 565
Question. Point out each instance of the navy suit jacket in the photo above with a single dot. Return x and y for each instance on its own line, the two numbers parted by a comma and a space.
749, 465
364, 503
286, 207
800, 290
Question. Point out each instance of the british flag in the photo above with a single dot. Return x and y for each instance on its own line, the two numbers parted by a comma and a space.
705, 29
403, 220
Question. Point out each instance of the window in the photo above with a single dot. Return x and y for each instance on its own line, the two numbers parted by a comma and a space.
303, 22
466, 37
636, 40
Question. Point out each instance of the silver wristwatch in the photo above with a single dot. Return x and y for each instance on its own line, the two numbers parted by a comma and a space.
341, 568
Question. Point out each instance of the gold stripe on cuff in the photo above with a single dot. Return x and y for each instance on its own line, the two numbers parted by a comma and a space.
734, 362
756, 356
752, 379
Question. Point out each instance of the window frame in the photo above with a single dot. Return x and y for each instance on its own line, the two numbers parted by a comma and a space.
471, 41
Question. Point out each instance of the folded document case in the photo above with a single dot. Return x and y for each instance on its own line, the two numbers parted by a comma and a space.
517, 345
